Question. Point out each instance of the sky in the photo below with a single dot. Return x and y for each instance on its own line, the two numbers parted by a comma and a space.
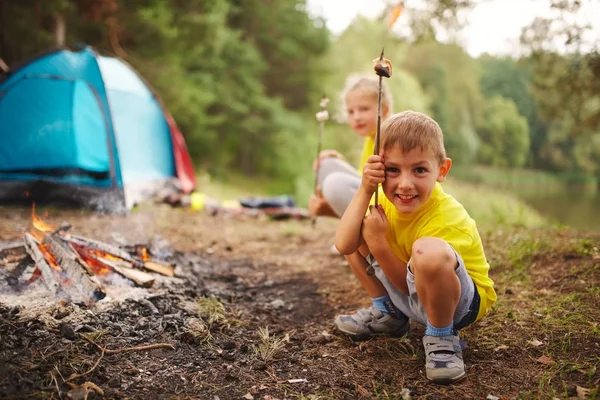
493, 26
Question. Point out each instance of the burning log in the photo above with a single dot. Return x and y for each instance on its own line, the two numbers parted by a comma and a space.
101, 246
73, 266
31, 244
122, 268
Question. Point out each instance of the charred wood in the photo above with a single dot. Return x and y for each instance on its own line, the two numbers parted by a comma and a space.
31, 244
12, 252
73, 266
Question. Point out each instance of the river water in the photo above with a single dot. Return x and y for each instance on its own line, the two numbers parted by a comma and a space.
573, 208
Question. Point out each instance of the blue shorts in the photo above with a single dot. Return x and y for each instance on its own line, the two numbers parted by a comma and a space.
468, 303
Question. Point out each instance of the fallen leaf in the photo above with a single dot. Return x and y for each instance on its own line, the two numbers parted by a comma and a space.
363, 392
535, 343
405, 393
582, 393
248, 396
546, 360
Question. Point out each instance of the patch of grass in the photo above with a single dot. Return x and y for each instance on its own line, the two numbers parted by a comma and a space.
269, 346
212, 310
198, 329
584, 247
493, 207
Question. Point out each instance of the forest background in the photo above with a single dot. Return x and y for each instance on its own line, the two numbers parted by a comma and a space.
243, 79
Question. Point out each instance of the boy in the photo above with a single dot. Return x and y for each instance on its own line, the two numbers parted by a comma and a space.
425, 250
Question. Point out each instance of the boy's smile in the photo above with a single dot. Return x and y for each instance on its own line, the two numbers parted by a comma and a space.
410, 177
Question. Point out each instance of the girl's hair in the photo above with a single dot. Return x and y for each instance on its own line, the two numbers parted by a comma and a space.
368, 85
411, 129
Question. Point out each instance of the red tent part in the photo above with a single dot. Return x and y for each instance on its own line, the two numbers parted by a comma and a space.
183, 163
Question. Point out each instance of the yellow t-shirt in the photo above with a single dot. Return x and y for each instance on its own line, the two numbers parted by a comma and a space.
367, 151
442, 216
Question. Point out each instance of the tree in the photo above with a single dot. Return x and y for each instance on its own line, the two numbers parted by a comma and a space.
507, 78
566, 79
504, 134
450, 77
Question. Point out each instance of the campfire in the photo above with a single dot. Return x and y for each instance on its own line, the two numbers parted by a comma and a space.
73, 267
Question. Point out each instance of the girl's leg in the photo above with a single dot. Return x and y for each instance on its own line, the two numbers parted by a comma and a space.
339, 182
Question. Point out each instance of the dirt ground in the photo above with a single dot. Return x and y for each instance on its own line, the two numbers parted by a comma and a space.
249, 316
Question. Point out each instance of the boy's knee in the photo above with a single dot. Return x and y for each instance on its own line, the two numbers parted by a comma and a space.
431, 254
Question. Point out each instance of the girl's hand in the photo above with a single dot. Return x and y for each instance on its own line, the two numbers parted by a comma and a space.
326, 154
374, 226
373, 174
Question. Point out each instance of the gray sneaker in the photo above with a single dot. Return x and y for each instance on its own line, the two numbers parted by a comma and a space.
443, 359
368, 322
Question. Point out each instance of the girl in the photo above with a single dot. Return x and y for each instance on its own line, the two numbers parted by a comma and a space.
337, 181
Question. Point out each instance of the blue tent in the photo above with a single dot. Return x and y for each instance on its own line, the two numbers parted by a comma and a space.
78, 126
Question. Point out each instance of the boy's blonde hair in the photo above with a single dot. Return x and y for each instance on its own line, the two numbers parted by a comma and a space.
412, 129
368, 85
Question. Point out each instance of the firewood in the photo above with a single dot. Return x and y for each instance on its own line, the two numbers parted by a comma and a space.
31, 244
140, 278
12, 252
163, 269
74, 267
98, 245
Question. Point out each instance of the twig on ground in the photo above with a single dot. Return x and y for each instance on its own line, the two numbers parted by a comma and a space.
44, 357
75, 376
126, 349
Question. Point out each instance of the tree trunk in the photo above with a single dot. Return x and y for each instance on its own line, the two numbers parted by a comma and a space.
60, 31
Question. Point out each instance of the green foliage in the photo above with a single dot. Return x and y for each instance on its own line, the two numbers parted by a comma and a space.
493, 207
243, 79
450, 78
566, 83
504, 134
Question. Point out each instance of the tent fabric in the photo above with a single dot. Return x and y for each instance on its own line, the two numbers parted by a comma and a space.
87, 127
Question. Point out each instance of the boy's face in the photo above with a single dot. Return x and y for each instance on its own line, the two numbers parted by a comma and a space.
410, 177
362, 113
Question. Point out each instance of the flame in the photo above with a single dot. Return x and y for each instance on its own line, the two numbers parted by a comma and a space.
38, 223
97, 266
143, 253
34, 276
49, 257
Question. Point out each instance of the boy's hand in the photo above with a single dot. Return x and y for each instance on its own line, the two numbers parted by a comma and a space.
326, 154
373, 174
374, 226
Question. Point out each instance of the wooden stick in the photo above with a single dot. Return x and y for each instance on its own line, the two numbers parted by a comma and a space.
127, 349
167, 270
377, 134
75, 376
140, 278
321, 117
